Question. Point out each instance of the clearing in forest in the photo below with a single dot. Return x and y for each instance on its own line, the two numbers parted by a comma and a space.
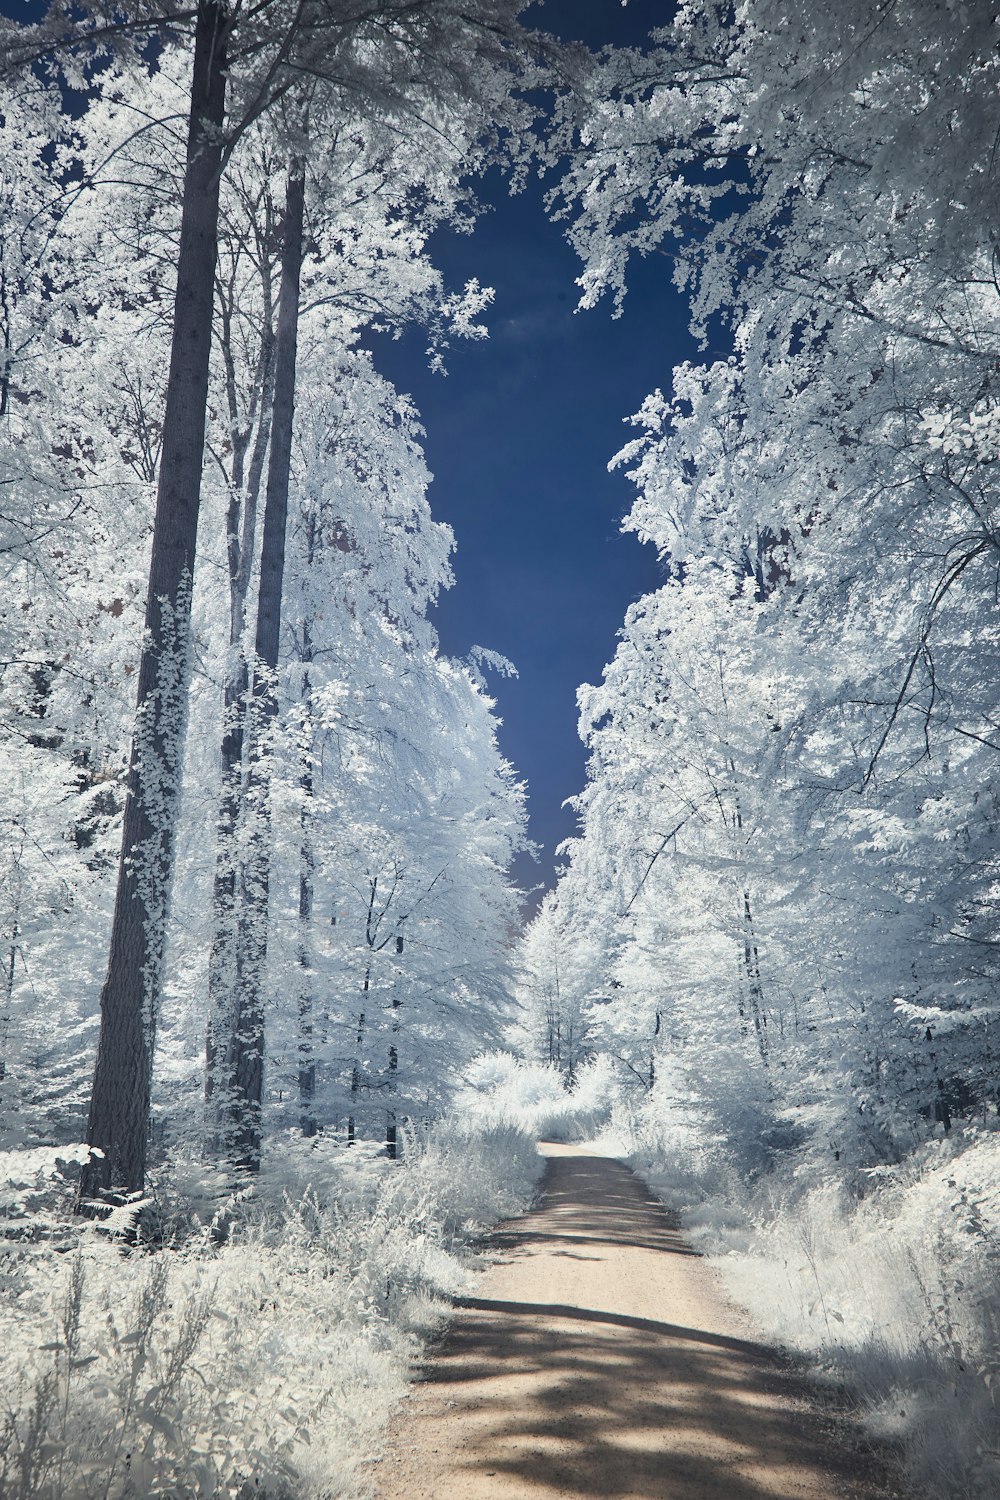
600, 1358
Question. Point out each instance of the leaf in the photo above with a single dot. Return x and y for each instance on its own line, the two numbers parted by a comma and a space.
160, 1424
205, 1479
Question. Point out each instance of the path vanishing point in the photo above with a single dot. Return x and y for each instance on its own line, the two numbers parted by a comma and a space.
599, 1358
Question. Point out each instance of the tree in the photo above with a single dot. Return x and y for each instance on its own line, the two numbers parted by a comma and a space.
413, 818
246, 1060
75, 503
361, 57
381, 174
805, 712
119, 1109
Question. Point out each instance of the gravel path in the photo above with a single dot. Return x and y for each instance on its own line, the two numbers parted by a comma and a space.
599, 1358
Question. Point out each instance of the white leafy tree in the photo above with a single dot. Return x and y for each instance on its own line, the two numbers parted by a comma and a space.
805, 713
399, 63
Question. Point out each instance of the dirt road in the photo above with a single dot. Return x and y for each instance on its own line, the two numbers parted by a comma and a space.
599, 1359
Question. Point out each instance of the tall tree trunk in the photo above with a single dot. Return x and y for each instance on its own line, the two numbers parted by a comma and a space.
751, 956
8, 988
246, 1040
241, 528
222, 955
119, 1107
755, 988
356, 1066
307, 1046
391, 1136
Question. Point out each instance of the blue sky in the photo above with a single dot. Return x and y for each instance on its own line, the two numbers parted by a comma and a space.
519, 435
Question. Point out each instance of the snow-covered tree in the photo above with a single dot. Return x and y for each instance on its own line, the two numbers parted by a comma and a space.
805, 712
361, 62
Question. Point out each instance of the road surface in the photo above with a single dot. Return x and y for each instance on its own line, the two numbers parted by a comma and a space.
599, 1358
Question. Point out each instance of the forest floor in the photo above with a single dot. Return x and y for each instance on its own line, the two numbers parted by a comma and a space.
600, 1358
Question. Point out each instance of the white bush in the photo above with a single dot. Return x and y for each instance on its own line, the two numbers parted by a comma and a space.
535, 1097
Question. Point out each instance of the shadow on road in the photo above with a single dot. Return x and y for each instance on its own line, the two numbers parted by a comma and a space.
591, 1200
547, 1310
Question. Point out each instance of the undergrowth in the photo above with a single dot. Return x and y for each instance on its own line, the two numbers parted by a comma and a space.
257, 1352
533, 1097
889, 1284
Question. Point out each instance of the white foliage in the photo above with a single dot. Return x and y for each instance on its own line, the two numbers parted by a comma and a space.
272, 1358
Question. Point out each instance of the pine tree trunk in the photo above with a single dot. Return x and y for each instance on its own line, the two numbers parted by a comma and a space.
222, 956
246, 1040
356, 1067
751, 959
119, 1108
8, 989
307, 1047
241, 529
391, 1133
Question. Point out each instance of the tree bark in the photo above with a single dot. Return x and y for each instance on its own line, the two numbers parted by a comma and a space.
8, 989
391, 1133
307, 865
751, 956
241, 531
119, 1108
307, 1045
751, 964
246, 1040
356, 1066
